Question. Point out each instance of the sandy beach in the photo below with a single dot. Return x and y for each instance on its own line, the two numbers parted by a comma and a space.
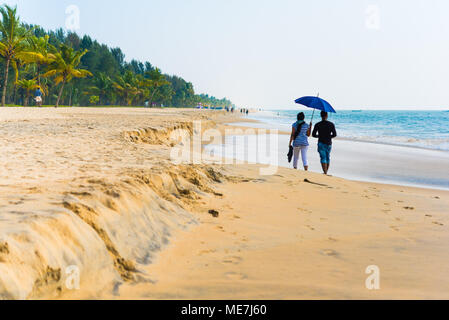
94, 190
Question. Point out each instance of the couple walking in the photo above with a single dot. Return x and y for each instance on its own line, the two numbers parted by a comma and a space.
299, 140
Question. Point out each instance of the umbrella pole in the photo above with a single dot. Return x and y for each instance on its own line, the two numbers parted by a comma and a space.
313, 114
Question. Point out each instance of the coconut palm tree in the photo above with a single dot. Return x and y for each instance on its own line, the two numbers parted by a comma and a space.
27, 85
13, 43
153, 82
64, 67
42, 54
103, 87
127, 87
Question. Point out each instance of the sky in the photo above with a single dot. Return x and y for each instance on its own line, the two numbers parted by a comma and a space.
382, 54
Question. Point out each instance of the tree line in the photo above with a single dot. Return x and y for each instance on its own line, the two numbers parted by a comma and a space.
78, 71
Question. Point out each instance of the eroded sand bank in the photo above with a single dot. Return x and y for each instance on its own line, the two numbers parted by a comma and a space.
95, 189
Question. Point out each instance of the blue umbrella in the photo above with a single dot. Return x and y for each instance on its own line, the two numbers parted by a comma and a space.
315, 103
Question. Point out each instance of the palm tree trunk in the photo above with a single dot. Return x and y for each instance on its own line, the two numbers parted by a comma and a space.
38, 74
70, 97
14, 95
60, 94
151, 99
5, 83
25, 102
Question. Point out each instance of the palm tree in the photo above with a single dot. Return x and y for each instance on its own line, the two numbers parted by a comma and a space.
13, 43
154, 81
64, 67
103, 87
127, 87
27, 85
41, 56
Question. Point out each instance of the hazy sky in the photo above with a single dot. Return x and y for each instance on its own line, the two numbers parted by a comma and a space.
356, 53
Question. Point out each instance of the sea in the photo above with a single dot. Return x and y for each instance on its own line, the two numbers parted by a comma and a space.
422, 129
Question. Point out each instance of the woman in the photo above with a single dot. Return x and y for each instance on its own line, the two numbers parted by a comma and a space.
300, 133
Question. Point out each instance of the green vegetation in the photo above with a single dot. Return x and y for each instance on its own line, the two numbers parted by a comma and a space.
78, 71
27, 86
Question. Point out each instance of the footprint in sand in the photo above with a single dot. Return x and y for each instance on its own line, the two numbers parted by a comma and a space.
235, 276
16, 202
438, 223
329, 253
428, 216
206, 252
310, 227
409, 208
232, 260
332, 239
394, 228
116, 289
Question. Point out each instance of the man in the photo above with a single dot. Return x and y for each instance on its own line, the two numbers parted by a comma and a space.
325, 132
38, 97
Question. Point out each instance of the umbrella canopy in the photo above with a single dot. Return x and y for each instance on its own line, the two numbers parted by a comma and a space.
316, 103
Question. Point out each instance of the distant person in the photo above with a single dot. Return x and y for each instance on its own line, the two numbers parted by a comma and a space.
325, 131
38, 97
299, 141
247, 111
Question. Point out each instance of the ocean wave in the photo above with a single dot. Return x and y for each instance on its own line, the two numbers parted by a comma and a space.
434, 144
404, 128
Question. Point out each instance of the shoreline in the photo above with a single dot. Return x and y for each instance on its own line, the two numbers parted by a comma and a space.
358, 152
246, 125
104, 196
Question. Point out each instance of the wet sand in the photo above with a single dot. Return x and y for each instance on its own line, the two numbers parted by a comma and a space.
368, 161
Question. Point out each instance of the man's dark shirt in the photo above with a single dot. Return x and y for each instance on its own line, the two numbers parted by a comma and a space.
325, 132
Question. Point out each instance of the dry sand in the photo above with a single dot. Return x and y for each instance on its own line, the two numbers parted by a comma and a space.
95, 189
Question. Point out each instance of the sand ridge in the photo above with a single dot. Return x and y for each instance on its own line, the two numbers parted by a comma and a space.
77, 189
